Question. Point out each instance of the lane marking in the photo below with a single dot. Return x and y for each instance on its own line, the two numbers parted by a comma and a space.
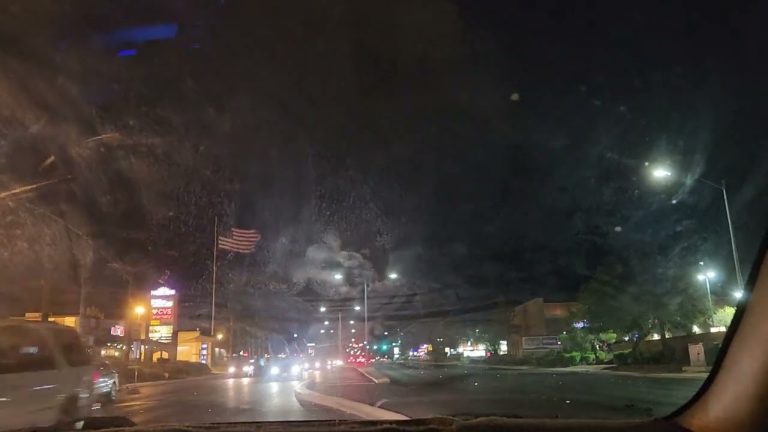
379, 403
125, 404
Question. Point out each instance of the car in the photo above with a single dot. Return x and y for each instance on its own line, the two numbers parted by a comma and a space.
106, 382
240, 367
46, 376
283, 369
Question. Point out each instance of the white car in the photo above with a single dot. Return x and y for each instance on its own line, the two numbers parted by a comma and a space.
45, 375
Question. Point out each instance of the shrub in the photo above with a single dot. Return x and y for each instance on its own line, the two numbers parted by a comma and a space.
572, 359
601, 357
588, 358
621, 357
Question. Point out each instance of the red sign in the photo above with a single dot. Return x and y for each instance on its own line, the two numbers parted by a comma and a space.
162, 313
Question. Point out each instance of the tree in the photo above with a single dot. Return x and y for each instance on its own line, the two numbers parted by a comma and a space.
724, 316
619, 300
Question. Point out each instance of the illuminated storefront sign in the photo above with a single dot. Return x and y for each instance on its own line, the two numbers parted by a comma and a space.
117, 330
161, 333
163, 314
204, 353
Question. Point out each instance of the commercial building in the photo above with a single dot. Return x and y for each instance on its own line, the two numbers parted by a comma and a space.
535, 326
196, 347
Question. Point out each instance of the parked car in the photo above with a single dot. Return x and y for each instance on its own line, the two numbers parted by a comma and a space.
106, 382
45, 375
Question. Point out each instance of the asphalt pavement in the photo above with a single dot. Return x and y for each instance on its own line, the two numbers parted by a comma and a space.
456, 390
214, 399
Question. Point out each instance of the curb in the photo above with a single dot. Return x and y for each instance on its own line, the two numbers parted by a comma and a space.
374, 375
364, 411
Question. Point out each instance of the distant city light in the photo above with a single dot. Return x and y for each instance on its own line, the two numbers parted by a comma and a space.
351, 321
338, 276
353, 330
295, 335
326, 322
393, 275
322, 330
700, 277
322, 308
738, 294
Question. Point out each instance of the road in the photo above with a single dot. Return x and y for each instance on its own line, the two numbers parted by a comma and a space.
214, 399
414, 391
459, 390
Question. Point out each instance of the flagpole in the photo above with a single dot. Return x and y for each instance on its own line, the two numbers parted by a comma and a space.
213, 289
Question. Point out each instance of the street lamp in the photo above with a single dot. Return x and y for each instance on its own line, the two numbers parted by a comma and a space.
738, 294
357, 307
393, 275
662, 172
139, 311
322, 308
338, 276
219, 336
705, 277
326, 322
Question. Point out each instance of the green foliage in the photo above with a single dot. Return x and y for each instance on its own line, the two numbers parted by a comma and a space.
601, 357
621, 357
573, 359
577, 341
724, 316
588, 358
623, 298
608, 337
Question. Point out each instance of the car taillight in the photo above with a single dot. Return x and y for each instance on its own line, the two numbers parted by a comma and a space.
96, 376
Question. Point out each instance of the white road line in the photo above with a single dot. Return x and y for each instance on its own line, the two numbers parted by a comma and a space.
378, 404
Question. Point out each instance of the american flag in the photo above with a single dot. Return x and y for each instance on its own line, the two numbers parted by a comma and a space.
241, 240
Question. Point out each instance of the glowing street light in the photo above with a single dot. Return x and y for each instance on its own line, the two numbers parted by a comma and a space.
357, 307
661, 172
326, 322
738, 294
393, 275
351, 321
139, 311
322, 308
322, 330
338, 276
219, 336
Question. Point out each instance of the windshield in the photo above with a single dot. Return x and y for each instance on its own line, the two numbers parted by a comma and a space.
253, 210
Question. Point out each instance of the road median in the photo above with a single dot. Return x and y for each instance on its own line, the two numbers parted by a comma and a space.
364, 411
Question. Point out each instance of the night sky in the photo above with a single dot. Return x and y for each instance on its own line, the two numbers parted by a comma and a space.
485, 151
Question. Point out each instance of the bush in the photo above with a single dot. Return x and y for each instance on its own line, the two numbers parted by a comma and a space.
588, 358
601, 357
621, 357
573, 359
552, 359
646, 358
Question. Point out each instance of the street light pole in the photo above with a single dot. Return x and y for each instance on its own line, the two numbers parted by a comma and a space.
663, 172
341, 357
365, 313
709, 296
739, 280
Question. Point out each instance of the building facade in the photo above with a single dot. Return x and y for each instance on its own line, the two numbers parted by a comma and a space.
535, 326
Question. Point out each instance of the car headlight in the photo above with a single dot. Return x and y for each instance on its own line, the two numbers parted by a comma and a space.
274, 370
295, 369
231, 369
